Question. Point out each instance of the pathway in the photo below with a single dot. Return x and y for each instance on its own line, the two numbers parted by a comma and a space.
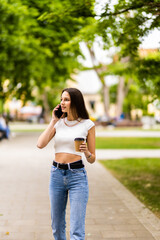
113, 212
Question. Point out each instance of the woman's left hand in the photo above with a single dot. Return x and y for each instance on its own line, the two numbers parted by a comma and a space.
83, 147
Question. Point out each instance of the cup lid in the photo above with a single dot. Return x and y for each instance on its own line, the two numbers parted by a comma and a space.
79, 139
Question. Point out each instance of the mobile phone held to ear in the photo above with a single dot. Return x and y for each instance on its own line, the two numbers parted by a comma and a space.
59, 112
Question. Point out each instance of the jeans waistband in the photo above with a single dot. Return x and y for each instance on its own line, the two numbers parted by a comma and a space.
66, 166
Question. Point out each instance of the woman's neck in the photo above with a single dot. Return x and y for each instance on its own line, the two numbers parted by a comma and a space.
70, 117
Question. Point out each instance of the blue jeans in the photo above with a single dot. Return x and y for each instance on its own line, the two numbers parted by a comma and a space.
75, 183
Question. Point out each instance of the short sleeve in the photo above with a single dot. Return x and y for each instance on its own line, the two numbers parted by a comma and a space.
89, 124
57, 124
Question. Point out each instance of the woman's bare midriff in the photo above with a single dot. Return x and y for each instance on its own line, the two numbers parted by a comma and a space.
66, 158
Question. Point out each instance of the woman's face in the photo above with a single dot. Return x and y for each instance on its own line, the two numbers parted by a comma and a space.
65, 102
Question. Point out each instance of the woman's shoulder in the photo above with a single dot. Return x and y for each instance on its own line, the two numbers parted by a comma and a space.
88, 123
88, 120
59, 123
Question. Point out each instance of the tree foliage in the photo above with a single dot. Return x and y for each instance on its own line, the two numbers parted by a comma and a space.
39, 44
128, 22
32, 34
31, 38
124, 25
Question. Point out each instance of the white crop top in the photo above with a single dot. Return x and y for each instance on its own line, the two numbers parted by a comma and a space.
65, 135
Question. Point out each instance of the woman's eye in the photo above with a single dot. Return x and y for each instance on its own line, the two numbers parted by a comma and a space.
66, 99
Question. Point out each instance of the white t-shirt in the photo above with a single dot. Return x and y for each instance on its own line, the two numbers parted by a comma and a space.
65, 135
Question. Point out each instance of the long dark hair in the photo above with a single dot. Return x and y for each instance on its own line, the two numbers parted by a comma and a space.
78, 107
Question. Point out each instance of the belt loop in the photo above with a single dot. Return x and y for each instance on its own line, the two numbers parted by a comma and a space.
58, 165
69, 166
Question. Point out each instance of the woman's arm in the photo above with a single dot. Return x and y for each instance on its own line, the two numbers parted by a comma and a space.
89, 148
47, 135
50, 131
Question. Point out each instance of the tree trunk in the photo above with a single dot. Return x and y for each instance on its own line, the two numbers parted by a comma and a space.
120, 97
98, 71
46, 107
106, 99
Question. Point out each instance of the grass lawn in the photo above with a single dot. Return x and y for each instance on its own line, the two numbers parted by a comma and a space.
127, 142
141, 176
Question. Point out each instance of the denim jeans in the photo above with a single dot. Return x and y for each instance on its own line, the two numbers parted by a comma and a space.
72, 182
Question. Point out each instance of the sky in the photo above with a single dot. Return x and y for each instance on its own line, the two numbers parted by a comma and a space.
88, 81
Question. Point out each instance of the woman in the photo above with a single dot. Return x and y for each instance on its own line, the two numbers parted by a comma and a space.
68, 175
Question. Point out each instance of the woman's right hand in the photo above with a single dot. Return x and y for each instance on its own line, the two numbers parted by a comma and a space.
54, 117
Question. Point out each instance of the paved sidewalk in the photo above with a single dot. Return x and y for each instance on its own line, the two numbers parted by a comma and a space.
113, 213
103, 154
127, 133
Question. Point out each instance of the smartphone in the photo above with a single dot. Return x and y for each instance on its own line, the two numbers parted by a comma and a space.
59, 112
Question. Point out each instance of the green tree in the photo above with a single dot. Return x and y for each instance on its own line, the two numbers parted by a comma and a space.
31, 43
64, 19
39, 43
135, 98
125, 25
16, 49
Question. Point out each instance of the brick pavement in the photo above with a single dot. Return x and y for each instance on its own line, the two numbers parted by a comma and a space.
113, 213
